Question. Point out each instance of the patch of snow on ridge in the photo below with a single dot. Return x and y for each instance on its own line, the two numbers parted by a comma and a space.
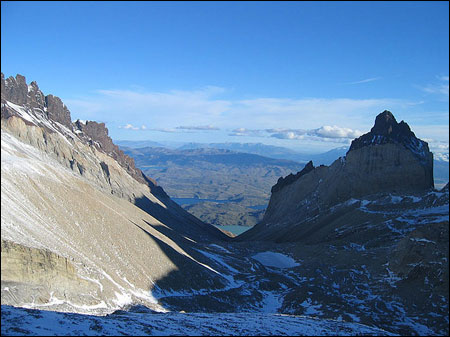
277, 260
21, 111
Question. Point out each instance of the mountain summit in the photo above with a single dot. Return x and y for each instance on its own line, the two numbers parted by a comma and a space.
387, 130
388, 159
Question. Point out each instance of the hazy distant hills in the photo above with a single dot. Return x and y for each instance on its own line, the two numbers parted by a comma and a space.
236, 185
231, 180
440, 172
278, 152
260, 149
138, 143
441, 163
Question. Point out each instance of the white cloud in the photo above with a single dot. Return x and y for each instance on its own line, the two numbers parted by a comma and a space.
308, 113
441, 157
203, 110
247, 132
165, 130
337, 132
287, 135
366, 80
441, 88
324, 133
132, 127
198, 128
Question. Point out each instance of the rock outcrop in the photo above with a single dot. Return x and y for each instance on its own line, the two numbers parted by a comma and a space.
39, 275
96, 134
282, 182
387, 159
29, 103
387, 131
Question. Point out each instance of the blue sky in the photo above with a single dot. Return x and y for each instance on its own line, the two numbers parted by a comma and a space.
306, 75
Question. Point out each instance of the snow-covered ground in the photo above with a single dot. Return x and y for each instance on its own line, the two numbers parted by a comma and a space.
19, 321
277, 260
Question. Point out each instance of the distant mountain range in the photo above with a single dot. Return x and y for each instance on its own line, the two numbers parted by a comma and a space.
220, 186
260, 149
441, 162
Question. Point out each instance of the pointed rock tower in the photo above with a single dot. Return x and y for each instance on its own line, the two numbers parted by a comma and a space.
388, 159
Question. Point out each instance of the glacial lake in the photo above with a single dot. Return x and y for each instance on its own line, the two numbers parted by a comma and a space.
236, 230
193, 201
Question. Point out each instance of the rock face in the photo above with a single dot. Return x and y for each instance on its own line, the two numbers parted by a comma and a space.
16, 90
387, 131
57, 111
51, 130
370, 230
96, 134
282, 182
29, 103
33, 274
387, 159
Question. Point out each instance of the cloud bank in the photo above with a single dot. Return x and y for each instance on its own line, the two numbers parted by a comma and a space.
324, 133
205, 110
441, 87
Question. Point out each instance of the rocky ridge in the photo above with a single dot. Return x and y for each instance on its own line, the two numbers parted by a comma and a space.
385, 160
92, 236
85, 148
42, 110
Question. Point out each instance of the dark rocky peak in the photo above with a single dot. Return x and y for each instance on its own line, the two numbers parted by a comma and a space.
96, 134
282, 182
57, 111
387, 130
385, 122
16, 91
35, 95
29, 103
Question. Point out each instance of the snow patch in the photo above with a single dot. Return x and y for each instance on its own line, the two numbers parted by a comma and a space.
277, 260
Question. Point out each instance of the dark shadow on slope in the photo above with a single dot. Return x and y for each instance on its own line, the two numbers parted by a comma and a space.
192, 286
179, 220
187, 274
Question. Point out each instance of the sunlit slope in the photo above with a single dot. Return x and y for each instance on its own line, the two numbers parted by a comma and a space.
118, 250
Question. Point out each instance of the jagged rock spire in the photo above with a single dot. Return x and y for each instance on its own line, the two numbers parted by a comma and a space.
387, 130
385, 122
292, 177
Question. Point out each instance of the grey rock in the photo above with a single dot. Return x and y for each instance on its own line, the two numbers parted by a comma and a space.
57, 111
